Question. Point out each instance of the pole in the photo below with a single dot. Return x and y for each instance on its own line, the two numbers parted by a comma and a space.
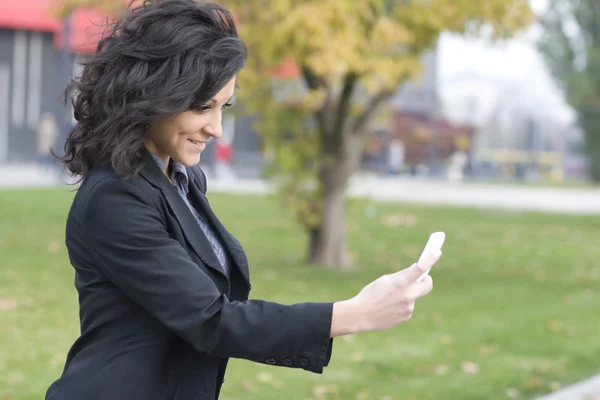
66, 72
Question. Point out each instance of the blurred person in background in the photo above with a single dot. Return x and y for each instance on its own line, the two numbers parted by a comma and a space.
395, 157
163, 286
47, 134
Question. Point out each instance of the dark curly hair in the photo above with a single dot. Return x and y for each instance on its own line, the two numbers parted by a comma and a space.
160, 59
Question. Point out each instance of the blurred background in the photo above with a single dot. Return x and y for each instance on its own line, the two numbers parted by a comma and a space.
488, 133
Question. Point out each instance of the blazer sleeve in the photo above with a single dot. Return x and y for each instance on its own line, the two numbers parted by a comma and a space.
129, 243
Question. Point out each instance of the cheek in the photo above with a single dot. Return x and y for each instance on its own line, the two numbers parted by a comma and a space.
169, 139
173, 137
190, 124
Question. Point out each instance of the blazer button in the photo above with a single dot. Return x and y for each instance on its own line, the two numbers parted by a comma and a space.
304, 362
287, 362
271, 361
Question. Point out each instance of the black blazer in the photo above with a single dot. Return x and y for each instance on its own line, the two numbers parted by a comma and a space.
159, 318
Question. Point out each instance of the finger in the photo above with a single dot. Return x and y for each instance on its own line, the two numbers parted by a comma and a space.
399, 277
415, 271
422, 288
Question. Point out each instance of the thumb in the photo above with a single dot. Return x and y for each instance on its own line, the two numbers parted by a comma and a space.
415, 271
412, 273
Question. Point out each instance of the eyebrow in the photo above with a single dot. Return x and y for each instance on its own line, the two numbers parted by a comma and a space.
214, 101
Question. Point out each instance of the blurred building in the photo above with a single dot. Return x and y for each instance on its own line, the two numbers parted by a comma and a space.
519, 132
429, 139
420, 95
34, 69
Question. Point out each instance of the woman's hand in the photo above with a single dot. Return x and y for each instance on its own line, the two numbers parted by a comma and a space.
382, 304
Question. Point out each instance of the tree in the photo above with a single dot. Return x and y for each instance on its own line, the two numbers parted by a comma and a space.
571, 44
351, 56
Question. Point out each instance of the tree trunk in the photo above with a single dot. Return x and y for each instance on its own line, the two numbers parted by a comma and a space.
341, 146
590, 123
328, 240
593, 151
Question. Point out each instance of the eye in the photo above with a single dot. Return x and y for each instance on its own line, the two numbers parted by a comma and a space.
206, 107
201, 108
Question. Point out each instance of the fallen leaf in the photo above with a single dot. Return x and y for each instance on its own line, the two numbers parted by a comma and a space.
264, 377
348, 338
321, 391
442, 369
405, 220
269, 275
15, 378
56, 360
357, 356
488, 349
363, 395
249, 386
446, 339
555, 326
535, 382
554, 386
53, 247
7, 304
277, 384
470, 367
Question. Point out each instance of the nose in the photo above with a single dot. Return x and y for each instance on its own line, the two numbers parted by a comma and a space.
214, 127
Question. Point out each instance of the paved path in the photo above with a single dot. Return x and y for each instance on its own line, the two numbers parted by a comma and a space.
24, 176
504, 196
588, 389
482, 195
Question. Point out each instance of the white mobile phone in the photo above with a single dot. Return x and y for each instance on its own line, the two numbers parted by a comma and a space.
431, 252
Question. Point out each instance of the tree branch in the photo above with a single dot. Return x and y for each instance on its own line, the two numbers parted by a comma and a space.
345, 102
361, 122
314, 82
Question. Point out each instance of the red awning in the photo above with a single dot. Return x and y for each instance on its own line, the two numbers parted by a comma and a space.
87, 27
35, 15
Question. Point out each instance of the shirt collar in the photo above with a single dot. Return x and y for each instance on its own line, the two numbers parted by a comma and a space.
178, 171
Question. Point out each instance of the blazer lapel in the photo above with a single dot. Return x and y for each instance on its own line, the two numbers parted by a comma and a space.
231, 244
187, 220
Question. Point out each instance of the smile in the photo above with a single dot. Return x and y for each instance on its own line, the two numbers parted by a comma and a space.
197, 144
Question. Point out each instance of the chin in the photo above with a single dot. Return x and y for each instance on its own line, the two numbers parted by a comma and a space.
190, 160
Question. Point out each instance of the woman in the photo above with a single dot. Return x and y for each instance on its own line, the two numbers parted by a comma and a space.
163, 286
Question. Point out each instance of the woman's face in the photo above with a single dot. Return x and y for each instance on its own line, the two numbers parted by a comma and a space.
184, 136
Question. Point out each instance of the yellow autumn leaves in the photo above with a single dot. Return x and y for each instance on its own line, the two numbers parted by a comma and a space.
379, 40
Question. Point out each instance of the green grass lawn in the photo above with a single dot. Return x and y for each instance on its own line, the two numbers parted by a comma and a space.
514, 312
